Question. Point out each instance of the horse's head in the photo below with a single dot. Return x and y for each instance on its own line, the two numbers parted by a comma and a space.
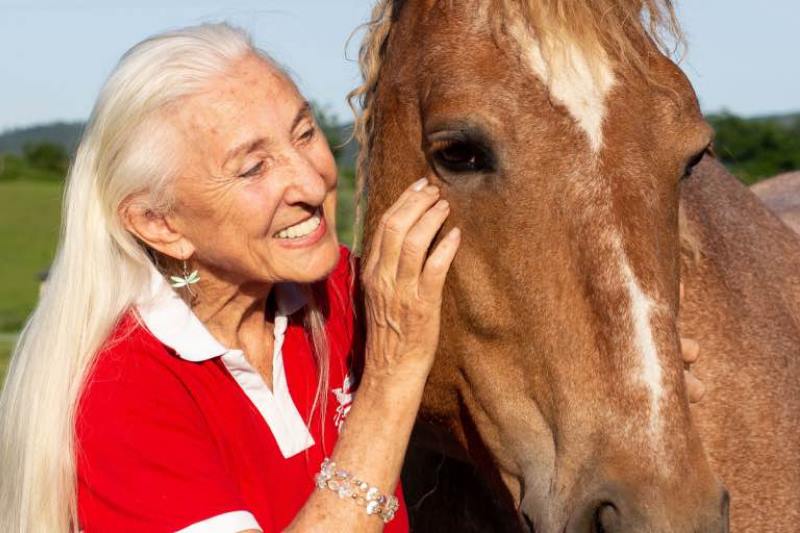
559, 133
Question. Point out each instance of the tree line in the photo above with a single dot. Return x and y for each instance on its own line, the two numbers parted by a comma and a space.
754, 149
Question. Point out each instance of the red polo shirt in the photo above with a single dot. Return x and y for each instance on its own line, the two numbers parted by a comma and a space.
178, 433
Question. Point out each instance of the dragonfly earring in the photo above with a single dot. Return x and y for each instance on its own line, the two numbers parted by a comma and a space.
187, 280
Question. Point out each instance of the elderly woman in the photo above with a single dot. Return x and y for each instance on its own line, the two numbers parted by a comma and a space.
188, 368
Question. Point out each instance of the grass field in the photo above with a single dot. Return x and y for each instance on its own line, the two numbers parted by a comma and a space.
29, 221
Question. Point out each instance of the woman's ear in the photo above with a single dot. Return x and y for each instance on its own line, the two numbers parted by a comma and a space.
154, 229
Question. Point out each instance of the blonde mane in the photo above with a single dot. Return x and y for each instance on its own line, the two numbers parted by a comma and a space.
618, 27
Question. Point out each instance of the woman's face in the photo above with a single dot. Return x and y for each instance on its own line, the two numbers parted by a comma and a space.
256, 193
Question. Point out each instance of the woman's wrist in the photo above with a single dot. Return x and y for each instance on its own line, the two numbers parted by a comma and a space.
393, 390
371, 446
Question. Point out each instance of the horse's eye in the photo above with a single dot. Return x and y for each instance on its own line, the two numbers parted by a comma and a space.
463, 157
693, 162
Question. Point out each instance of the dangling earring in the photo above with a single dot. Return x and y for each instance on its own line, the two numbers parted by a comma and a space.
187, 280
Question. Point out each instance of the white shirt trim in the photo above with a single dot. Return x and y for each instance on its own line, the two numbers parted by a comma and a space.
174, 324
232, 522
276, 406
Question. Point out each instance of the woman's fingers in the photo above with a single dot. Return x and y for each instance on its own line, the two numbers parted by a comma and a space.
377, 238
690, 349
438, 263
396, 224
418, 241
695, 389
403, 315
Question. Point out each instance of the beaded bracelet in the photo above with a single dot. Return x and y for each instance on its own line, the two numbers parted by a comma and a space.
345, 485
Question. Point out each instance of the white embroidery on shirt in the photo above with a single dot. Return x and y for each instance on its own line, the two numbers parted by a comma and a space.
345, 398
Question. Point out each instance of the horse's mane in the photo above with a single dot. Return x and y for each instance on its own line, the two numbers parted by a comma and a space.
616, 27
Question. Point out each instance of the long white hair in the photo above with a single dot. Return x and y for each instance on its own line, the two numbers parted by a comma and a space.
99, 270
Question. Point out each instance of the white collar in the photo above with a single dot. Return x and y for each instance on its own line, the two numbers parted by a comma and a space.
174, 324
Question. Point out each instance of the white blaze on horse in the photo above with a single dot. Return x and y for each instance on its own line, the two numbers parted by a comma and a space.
565, 141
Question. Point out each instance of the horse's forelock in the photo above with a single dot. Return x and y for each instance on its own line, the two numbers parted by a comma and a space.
615, 26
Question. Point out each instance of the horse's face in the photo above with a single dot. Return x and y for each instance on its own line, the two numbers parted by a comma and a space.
559, 339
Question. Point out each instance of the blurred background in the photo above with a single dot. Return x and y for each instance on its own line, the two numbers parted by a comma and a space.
55, 54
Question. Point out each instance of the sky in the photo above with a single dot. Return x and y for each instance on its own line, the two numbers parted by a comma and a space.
55, 54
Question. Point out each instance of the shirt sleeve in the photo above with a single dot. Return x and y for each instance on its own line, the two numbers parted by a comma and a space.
146, 458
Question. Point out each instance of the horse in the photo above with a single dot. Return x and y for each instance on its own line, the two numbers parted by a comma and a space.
781, 193
577, 164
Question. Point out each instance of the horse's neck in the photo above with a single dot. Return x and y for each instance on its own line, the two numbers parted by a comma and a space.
743, 306
747, 265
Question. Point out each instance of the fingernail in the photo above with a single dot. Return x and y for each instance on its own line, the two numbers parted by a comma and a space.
419, 184
454, 234
442, 204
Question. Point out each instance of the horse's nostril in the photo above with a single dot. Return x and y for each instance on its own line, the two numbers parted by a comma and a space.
606, 519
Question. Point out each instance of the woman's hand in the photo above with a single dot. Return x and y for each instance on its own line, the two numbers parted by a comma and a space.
403, 285
403, 295
690, 350
695, 389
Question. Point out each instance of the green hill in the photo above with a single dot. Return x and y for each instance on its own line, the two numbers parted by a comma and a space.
65, 134
68, 135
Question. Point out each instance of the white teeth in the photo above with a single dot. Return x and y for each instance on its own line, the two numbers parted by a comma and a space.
302, 229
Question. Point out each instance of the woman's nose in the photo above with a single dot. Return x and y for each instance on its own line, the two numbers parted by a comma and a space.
305, 182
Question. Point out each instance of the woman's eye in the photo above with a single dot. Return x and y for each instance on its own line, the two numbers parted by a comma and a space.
308, 134
461, 156
253, 171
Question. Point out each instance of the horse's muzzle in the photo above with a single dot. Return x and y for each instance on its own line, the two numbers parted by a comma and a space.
616, 514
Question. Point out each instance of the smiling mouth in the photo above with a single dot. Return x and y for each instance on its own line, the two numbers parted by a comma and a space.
301, 229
